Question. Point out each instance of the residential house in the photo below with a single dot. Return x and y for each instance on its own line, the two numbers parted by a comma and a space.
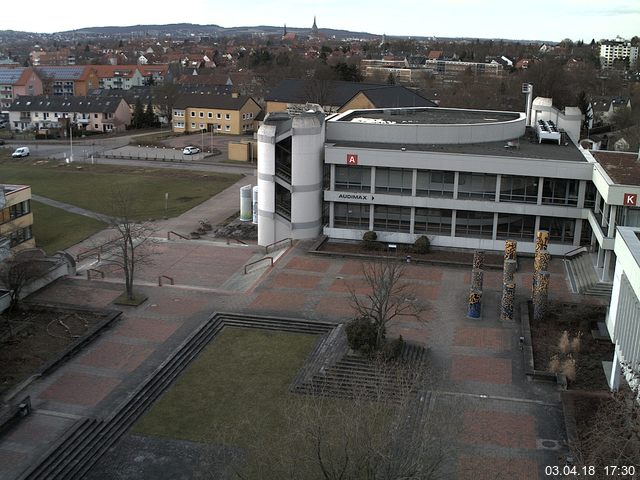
86, 113
604, 107
230, 114
120, 77
73, 80
16, 219
293, 95
15, 82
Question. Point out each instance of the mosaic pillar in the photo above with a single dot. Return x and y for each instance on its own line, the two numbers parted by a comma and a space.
508, 298
510, 250
475, 304
478, 259
541, 261
477, 276
540, 295
509, 271
542, 240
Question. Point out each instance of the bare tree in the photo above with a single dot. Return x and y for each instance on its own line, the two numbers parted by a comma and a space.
132, 243
388, 296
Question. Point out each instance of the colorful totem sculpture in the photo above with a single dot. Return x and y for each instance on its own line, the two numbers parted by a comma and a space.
508, 280
540, 295
475, 292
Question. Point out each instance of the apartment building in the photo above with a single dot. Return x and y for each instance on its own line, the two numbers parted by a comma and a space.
227, 114
15, 82
71, 80
617, 50
16, 219
95, 114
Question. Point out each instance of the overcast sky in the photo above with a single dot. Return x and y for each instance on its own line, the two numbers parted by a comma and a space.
534, 20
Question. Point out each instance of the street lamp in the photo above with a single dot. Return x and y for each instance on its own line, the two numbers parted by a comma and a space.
71, 141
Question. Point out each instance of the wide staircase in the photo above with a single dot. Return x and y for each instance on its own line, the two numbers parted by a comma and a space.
72, 456
583, 277
331, 370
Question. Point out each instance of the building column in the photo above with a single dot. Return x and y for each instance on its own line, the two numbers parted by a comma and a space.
453, 223
577, 233
498, 185
600, 258
373, 180
494, 232
582, 191
331, 214
540, 188
456, 179
414, 182
412, 221
616, 372
332, 177
371, 213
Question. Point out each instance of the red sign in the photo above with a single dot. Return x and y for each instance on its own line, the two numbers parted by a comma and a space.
352, 159
630, 199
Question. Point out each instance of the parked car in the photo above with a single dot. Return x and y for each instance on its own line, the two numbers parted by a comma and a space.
190, 150
21, 152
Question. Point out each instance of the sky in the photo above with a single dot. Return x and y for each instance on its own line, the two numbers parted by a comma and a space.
552, 20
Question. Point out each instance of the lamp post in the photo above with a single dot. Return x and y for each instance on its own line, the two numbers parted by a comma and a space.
202, 142
71, 141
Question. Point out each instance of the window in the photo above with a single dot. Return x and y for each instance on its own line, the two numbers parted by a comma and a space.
193, 114
179, 124
21, 235
227, 116
474, 224
95, 115
18, 210
432, 220
351, 215
201, 114
560, 191
250, 114
209, 115
590, 196
391, 219
218, 127
476, 185
218, 116
227, 128
431, 183
561, 230
519, 189
193, 125
394, 180
201, 126
244, 116
353, 178
95, 126
516, 227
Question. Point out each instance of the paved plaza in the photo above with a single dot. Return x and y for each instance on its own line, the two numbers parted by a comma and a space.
507, 427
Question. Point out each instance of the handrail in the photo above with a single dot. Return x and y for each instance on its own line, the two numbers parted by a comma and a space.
258, 261
96, 250
574, 252
176, 234
164, 276
288, 240
94, 270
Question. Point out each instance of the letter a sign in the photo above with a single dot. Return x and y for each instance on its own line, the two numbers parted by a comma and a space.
352, 159
630, 199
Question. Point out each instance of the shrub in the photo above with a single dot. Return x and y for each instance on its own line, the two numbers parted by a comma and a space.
369, 240
392, 348
422, 245
361, 335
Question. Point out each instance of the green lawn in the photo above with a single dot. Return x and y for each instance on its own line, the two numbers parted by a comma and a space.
91, 186
57, 229
234, 392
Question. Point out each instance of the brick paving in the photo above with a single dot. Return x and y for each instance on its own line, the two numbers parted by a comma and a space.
116, 356
294, 280
152, 330
308, 264
80, 389
466, 368
504, 429
482, 337
480, 467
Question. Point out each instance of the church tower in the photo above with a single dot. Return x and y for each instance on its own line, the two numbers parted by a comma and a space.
314, 28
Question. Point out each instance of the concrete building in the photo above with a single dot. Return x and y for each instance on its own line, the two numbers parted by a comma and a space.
15, 82
465, 178
228, 114
623, 319
618, 49
16, 219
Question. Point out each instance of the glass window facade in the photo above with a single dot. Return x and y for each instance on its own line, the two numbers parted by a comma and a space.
474, 224
351, 215
477, 185
432, 220
516, 227
431, 183
519, 189
394, 180
561, 230
392, 219
353, 178
560, 191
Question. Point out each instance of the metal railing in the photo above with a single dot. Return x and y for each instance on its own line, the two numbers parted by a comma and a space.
97, 251
270, 259
574, 252
167, 277
100, 272
176, 234
279, 244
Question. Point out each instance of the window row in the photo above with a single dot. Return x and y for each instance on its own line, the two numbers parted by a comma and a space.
19, 236
439, 221
15, 211
478, 186
227, 116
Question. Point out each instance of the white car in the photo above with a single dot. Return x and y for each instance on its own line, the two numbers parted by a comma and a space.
21, 152
190, 150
